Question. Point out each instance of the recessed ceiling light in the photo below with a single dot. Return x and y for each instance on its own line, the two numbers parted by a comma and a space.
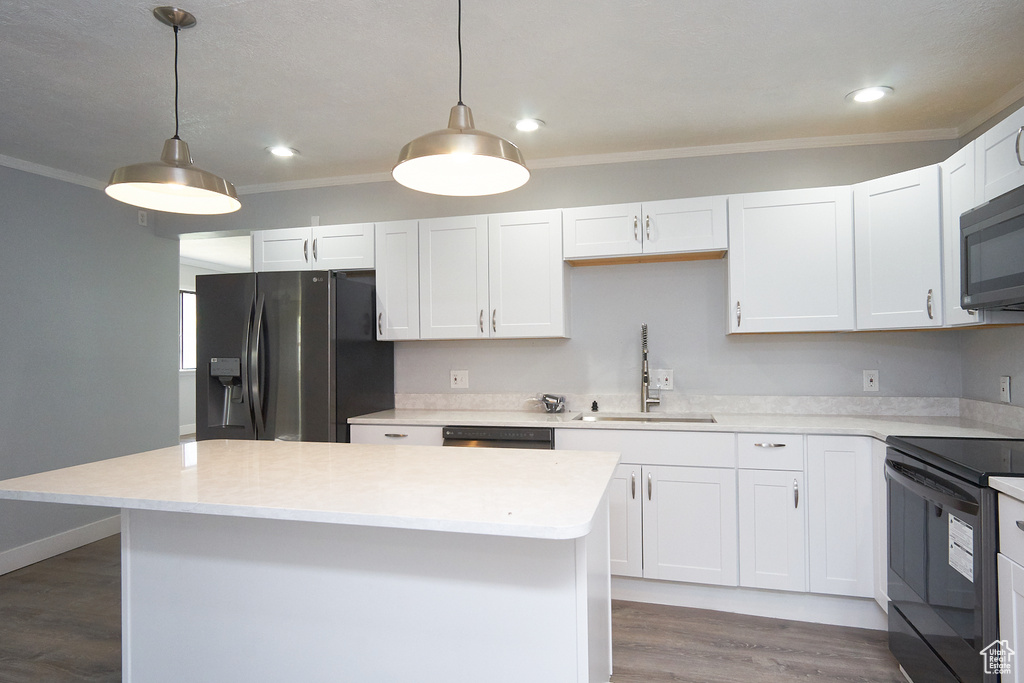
282, 151
528, 125
871, 94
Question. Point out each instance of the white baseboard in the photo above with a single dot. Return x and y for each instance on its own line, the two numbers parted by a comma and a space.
186, 429
45, 548
818, 609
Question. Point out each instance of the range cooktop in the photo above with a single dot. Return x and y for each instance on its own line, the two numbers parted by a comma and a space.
974, 460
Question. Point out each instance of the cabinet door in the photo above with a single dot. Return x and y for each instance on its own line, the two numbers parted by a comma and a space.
897, 232
625, 521
612, 230
791, 261
527, 274
453, 278
698, 224
398, 284
840, 515
1011, 611
689, 520
772, 530
284, 249
343, 247
958, 195
998, 152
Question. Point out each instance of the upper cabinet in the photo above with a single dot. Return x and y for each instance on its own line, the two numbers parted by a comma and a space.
959, 194
652, 228
492, 276
999, 157
398, 282
322, 247
898, 250
791, 261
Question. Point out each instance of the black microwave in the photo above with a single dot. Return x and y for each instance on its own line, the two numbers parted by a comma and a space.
992, 254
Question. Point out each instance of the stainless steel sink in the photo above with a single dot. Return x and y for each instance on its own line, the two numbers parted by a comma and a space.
645, 417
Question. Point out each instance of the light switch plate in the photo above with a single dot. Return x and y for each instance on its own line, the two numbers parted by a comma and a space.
1004, 389
871, 380
460, 379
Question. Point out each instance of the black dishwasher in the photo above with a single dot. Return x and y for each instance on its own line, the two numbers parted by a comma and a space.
499, 437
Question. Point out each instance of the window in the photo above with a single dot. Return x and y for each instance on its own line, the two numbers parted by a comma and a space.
187, 330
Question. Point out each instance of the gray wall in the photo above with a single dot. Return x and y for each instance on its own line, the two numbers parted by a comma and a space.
988, 354
88, 351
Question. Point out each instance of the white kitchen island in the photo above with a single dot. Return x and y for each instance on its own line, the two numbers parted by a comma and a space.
270, 561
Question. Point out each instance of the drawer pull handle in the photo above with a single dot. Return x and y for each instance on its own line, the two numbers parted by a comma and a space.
649, 485
1020, 524
796, 495
766, 444
1020, 131
636, 228
380, 325
632, 485
396, 436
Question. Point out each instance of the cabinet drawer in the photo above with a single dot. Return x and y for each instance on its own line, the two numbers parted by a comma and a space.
404, 435
771, 451
1011, 537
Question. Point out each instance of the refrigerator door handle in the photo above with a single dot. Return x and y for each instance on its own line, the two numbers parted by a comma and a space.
255, 381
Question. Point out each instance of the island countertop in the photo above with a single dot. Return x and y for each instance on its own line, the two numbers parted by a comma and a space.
505, 492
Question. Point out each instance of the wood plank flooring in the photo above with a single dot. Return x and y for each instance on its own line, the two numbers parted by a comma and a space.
60, 622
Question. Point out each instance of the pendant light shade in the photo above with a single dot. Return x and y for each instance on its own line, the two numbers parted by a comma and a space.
459, 160
173, 184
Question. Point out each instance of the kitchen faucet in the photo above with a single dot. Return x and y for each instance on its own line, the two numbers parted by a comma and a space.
646, 401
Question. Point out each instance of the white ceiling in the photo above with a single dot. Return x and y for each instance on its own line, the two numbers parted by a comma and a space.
87, 86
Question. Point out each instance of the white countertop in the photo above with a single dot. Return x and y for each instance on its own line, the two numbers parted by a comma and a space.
1011, 486
506, 492
878, 426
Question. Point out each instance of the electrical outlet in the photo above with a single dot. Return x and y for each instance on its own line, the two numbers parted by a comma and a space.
460, 379
143, 218
1004, 389
871, 380
662, 379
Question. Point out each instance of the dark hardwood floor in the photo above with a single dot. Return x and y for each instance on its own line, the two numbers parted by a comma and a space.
60, 622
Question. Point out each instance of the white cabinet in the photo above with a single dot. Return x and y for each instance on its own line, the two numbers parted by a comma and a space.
669, 520
959, 194
772, 518
998, 155
625, 521
397, 278
322, 247
791, 261
471, 288
898, 250
400, 435
661, 227
840, 534
1010, 570
689, 524
527, 277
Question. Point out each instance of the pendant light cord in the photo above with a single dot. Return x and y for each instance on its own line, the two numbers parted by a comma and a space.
176, 29
460, 51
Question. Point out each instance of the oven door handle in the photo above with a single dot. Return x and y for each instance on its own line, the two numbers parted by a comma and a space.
895, 471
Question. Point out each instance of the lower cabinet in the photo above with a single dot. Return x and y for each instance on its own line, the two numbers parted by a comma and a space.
773, 529
1011, 610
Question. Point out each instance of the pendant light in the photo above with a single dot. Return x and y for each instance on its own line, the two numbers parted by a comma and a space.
173, 184
460, 160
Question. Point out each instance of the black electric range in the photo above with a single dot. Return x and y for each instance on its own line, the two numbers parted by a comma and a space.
942, 540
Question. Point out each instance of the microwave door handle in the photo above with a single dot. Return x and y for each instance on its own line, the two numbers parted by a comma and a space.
928, 493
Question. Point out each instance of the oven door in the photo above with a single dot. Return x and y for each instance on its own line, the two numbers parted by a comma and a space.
938, 584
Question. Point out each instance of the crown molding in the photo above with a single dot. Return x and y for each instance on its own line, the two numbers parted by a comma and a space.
55, 173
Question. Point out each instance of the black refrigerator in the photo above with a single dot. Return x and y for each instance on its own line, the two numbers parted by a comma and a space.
288, 356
